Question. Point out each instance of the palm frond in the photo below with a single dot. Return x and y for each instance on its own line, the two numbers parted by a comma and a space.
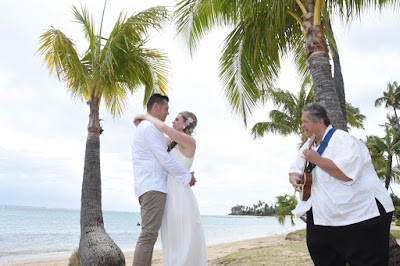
88, 25
61, 58
354, 117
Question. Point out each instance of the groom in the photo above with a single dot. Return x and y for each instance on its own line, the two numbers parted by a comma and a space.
151, 166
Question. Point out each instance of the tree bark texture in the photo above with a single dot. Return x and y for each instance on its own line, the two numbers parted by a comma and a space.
325, 92
320, 68
388, 171
95, 247
397, 127
339, 83
338, 78
394, 252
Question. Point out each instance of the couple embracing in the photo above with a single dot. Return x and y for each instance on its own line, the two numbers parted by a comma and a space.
163, 183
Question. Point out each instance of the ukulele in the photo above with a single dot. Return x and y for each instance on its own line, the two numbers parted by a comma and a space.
306, 179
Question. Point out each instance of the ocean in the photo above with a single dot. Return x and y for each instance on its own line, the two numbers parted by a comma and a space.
31, 232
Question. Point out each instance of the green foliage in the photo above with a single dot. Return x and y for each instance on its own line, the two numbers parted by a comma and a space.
110, 70
382, 151
396, 212
284, 206
391, 97
395, 199
262, 33
287, 119
259, 209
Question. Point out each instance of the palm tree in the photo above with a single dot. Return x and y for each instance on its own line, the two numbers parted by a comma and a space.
388, 146
263, 32
288, 120
391, 98
107, 71
284, 206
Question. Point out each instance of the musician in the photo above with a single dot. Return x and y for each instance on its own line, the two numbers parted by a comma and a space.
349, 211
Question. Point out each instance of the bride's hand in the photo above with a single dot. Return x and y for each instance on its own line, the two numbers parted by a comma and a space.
138, 119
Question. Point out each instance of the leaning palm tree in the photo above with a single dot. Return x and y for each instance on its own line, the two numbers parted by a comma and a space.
263, 32
106, 72
391, 98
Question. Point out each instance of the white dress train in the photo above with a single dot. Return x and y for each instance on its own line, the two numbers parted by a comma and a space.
182, 235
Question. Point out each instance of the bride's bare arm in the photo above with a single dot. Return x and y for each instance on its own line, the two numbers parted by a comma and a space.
181, 138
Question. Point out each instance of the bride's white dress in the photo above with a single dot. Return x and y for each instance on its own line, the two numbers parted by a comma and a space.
182, 235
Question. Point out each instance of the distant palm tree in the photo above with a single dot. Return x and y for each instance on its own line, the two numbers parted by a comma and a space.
391, 98
388, 146
107, 71
287, 120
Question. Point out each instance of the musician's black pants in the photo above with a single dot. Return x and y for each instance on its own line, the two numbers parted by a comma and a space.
365, 243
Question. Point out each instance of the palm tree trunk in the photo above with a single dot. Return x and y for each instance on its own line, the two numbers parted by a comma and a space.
338, 78
95, 247
388, 172
320, 69
339, 83
397, 127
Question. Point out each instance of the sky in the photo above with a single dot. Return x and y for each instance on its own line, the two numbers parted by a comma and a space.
43, 130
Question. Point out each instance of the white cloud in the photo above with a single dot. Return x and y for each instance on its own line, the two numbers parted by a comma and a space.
43, 131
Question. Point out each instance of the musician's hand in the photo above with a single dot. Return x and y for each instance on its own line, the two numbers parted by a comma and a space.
294, 179
311, 156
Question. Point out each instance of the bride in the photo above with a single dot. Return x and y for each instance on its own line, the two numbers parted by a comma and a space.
182, 235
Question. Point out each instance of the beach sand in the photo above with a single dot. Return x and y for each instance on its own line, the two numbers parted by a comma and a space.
213, 252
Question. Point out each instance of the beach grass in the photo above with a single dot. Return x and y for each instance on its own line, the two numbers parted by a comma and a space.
301, 233
395, 233
291, 253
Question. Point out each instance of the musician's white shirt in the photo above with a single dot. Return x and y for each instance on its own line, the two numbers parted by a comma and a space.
152, 162
335, 202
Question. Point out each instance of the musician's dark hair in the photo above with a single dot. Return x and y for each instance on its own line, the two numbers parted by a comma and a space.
156, 98
316, 112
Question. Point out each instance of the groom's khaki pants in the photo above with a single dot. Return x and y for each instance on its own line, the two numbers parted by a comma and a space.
152, 204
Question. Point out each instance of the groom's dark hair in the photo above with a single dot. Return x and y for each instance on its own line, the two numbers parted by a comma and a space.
156, 98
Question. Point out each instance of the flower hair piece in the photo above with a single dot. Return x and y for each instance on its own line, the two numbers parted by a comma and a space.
189, 121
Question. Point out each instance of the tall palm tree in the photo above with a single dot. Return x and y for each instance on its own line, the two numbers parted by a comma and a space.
107, 71
264, 31
288, 120
391, 98
388, 146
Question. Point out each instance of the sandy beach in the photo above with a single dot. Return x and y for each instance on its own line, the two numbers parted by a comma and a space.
213, 252
276, 242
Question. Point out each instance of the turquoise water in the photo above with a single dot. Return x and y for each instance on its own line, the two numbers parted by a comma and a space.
28, 232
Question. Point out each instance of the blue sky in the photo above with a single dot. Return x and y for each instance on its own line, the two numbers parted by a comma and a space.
43, 131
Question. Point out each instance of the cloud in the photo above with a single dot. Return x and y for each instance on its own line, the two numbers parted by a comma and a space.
43, 130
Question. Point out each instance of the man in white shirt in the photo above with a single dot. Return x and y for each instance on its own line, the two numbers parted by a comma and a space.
151, 165
349, 211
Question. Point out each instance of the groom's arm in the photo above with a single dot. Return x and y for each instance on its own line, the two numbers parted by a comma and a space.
155, 141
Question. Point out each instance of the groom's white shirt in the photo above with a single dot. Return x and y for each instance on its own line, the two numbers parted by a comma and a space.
152, 162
